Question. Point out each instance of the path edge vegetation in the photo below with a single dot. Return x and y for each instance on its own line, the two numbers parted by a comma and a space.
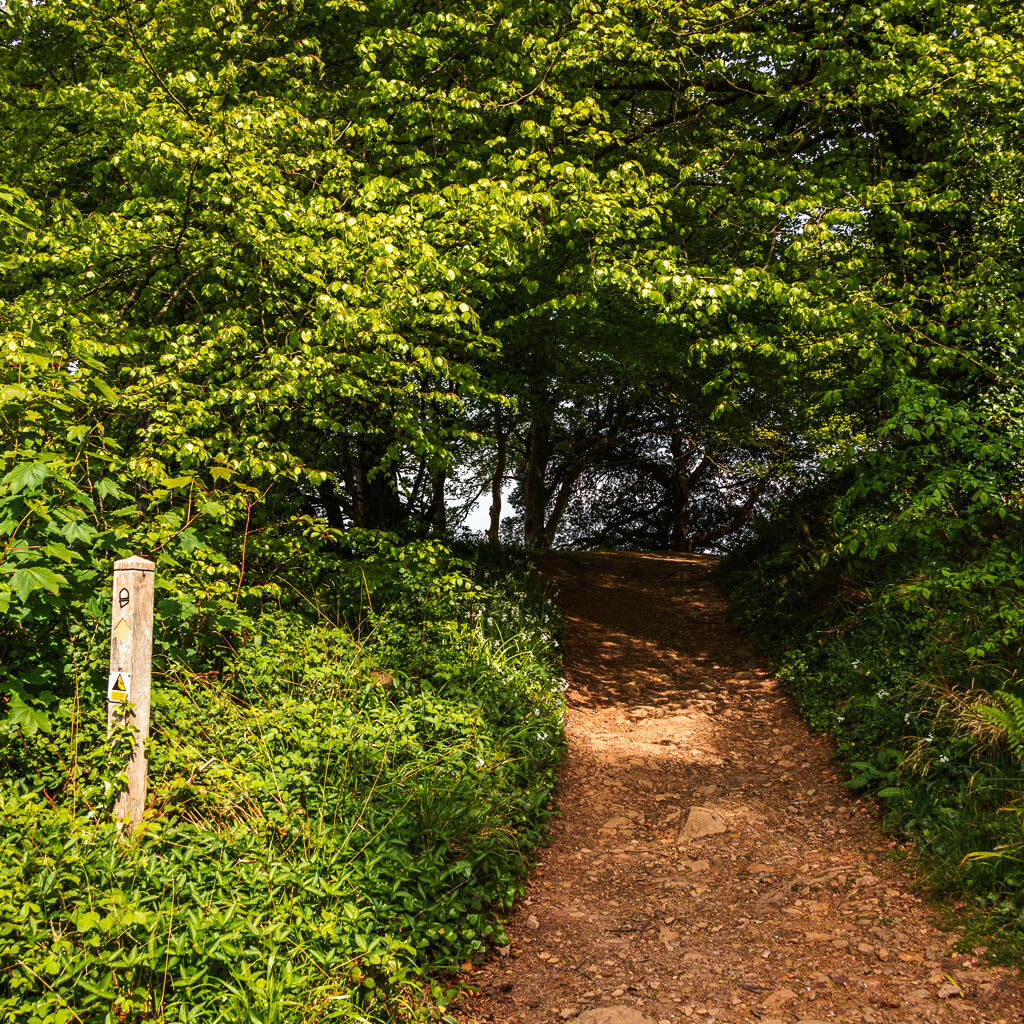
896, 660
337, 815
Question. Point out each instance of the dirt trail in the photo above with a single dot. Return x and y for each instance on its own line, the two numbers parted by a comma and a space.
708, 864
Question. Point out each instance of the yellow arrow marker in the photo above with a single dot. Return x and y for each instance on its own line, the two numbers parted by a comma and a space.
122, 630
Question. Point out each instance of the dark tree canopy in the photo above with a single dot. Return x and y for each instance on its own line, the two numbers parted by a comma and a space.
278, 274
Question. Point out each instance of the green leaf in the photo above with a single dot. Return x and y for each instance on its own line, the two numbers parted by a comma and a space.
27, 474
78, 530
30, 578
87, 921
108, 487
54, 550
29, 720
189, 541
212, 508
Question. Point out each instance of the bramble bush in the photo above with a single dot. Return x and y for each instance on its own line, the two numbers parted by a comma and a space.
334, 815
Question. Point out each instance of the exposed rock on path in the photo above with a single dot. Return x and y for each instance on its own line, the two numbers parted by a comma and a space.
708, 864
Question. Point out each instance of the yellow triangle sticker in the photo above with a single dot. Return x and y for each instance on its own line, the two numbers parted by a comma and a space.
122, 630
118, 686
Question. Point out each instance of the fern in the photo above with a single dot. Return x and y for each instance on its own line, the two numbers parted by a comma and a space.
1009, 718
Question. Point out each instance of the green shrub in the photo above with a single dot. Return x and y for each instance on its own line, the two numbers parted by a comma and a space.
892, 654
333, 819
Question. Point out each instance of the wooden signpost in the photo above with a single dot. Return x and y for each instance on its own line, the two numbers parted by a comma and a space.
131, 656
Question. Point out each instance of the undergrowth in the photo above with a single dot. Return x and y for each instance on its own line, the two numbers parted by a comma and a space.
910, 661
334, 817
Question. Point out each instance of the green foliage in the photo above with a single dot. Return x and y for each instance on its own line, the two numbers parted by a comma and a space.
332, 820
892, 656
1009, 718
889, 591
269, 272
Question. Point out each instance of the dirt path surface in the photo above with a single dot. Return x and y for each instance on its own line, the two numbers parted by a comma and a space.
708, 864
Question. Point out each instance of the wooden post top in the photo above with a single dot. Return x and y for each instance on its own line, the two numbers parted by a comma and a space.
136, 563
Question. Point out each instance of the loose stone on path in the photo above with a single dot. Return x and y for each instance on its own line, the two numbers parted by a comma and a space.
701, 822
614, 1015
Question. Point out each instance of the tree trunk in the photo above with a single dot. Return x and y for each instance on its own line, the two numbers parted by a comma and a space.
678, 496
535, 494
438, 509
562, 498
742, 513
328, 495
377, 504
680, 487
498, 479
